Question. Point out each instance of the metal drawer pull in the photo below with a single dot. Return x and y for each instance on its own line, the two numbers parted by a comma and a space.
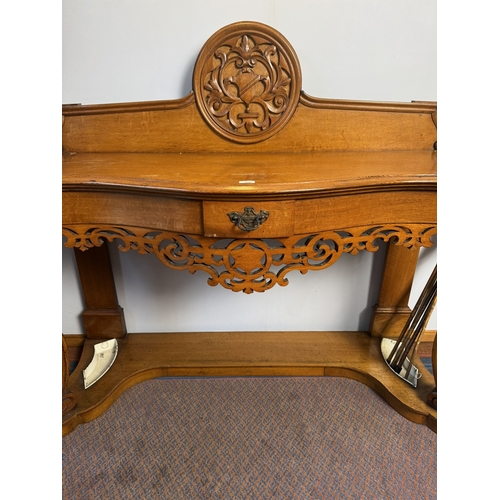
249, 220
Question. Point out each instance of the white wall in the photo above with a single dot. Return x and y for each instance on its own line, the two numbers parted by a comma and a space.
119, 51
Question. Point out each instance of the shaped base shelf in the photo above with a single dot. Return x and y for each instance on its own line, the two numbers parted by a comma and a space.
143, 356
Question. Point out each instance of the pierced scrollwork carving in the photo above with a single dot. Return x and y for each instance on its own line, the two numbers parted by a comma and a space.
247, 82
249, 265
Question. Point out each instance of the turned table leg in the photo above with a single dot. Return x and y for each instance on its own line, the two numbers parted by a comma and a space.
391, 311
103, 317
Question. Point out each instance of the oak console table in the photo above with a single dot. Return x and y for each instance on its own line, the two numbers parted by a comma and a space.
248, 178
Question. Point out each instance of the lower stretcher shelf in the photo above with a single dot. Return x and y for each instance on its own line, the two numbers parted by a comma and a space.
142, 356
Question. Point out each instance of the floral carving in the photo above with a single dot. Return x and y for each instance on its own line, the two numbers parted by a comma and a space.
243, 100
247, 84
249, 265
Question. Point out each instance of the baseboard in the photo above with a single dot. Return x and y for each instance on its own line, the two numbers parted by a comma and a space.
428, 336
74, 340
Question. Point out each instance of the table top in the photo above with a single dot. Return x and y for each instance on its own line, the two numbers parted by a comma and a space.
266, 174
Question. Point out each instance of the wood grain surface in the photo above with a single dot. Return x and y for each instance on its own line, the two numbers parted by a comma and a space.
334, 176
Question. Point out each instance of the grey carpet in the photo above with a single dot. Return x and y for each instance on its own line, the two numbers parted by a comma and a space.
250, 438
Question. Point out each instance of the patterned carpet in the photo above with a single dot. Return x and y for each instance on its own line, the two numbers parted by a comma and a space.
250, 438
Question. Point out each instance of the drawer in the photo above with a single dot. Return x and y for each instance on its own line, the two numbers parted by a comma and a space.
123, 209
396, 207
251, 219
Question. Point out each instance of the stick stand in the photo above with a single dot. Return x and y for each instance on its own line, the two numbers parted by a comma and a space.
399, 354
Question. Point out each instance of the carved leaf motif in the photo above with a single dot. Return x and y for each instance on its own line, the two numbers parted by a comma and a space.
248, 84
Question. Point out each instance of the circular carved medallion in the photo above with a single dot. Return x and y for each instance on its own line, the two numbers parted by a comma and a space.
247, 82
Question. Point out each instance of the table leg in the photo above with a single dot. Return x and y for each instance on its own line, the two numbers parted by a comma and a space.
391, 311
103, 317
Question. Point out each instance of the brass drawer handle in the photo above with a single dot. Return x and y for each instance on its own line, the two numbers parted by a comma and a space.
249, 220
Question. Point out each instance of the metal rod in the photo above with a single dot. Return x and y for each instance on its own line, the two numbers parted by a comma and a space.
405, 342
415, 324
415, 313
422, 320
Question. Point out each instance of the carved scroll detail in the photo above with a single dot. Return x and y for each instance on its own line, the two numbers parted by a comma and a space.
249, 265
247, 82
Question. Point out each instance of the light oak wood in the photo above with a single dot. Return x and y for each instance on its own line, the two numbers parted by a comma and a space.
323, 176
277, 176
143, 356
391, 311
280, 221
249, 265
247, 82
182, 130
103, 317
132, 209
